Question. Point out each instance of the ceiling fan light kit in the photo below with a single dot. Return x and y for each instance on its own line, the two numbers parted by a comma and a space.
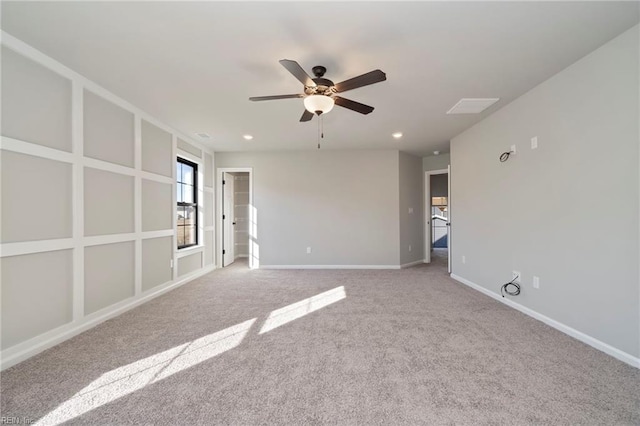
320, 93
318, 104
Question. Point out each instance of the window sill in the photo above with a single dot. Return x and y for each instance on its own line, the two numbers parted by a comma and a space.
189, 250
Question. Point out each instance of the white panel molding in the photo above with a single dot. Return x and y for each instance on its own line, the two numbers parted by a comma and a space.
202, 209
137, 203
155, 177
330, 266
108, 239
585, 338
31, 247
31, 347
174, 202
78, 242
77, 143
157, 234
108, 167
29, 148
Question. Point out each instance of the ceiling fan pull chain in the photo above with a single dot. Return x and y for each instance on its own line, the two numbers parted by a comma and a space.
319, 131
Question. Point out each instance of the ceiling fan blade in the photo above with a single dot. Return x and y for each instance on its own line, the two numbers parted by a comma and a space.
294, 68
353, 105
271, 98
306, 116
372, 77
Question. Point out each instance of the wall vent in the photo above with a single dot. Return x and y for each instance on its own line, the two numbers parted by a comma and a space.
472, 105
203, 135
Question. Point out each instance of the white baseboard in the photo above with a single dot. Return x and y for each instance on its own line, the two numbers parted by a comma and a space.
585, 338
329, 266
410, 264
22, 351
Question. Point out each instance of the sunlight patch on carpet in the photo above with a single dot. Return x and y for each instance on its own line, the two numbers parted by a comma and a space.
299, 309
132, 377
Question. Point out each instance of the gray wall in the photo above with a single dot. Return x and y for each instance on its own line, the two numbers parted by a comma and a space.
342, 204
411, 208
46, 100
436, 162
42, 190
47, 278
541, 211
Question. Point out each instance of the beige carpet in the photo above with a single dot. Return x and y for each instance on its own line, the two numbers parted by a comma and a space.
360, 347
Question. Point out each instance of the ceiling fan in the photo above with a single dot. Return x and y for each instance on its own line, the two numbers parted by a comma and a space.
320, 93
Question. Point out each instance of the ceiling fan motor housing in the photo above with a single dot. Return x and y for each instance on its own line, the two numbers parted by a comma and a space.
323, 87
318, 70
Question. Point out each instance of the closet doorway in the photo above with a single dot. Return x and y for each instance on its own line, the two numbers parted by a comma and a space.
437, 184
236, 218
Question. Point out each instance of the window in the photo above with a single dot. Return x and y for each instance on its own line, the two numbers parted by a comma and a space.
187, 191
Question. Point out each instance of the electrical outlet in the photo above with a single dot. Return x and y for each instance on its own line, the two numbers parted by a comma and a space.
464, 259
536, 282
171, 263
513, 150
409, 247
410, 210
308, 250
534, 142
516, 277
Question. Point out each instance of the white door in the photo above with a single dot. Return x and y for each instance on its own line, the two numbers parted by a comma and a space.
449, 218
228, 220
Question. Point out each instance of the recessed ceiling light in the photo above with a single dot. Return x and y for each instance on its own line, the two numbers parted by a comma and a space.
203, 135
247, 137
397, 135
436, 152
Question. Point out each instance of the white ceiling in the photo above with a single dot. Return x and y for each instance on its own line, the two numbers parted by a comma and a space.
194, 65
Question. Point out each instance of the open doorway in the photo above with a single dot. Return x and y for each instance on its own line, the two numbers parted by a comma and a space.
235, 223
437, 217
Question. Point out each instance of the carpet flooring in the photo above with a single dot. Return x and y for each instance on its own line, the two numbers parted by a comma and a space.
294, 347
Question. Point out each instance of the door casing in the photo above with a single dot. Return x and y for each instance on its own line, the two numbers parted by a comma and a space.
253, 260
427, 213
